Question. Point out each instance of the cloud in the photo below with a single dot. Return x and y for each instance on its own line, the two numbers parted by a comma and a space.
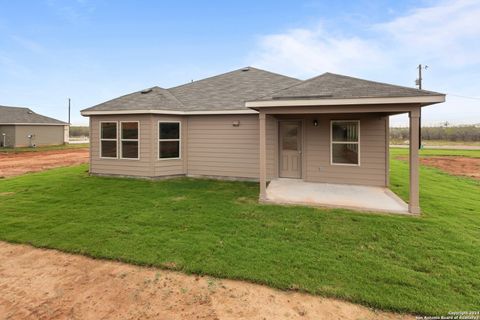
312, 51
444, 35
448, 32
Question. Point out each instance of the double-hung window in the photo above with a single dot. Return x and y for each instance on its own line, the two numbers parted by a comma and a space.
169, 141
108, 139
345, 142
129, 140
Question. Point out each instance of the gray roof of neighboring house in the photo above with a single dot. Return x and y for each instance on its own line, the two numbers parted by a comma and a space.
20, 115
335, 86
230, 91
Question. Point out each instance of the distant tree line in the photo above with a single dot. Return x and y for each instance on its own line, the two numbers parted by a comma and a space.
78, 131
445, 132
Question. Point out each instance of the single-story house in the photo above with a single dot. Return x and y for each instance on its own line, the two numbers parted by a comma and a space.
21, 127
259, 125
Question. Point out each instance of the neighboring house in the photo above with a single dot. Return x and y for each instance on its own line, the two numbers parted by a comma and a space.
254, 124
21, 127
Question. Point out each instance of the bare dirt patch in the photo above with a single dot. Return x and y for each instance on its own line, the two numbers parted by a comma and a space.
460, 166
47, 284
14, 164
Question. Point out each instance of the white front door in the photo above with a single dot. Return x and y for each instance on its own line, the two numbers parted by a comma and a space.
290, 144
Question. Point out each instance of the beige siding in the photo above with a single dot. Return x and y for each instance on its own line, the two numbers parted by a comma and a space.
217, 148
42, 135
372, 168
9, 136
212, 146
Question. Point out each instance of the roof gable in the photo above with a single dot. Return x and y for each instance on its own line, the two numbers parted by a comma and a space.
20, 115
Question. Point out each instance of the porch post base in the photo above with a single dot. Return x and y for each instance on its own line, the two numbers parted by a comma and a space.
414, 209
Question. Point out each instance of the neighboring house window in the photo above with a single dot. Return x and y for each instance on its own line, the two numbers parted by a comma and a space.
108, 139
129, 140
345, 142
169, 143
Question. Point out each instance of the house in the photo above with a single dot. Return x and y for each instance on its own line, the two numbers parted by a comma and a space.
259, 125
21, 127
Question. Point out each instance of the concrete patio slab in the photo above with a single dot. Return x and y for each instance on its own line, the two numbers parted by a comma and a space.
364, 198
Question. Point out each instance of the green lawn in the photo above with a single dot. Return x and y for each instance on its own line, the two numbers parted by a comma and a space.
424, 265
45, 148
439, 142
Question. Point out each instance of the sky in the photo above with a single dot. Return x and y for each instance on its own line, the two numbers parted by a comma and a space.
93, 51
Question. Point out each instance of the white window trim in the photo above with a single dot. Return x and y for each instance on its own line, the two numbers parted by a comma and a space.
101, 139
136, 140
179, 139
344, 142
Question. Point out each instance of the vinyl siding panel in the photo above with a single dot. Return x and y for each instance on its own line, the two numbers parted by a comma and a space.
372, 151
42, 135
9, 136
217, 148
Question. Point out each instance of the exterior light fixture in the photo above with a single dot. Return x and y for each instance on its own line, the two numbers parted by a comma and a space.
315, 123
236, 123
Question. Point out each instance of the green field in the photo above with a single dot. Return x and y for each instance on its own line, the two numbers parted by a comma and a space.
421, 265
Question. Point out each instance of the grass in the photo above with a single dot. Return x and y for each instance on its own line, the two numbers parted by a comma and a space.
437, 152
438, 142
422, 265
44, 148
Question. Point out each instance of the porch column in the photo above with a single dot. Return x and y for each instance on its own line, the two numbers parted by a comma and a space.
263, 156
414, 198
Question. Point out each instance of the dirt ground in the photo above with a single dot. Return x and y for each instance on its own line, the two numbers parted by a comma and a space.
48, 284
14, 164
461, 166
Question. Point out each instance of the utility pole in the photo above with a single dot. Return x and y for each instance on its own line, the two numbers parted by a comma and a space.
69, 111
418, 82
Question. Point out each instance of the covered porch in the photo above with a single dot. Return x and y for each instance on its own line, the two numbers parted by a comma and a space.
344, 140
362, 184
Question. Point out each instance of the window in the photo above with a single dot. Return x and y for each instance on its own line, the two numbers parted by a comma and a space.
345, 142
169, 143
108, 140
129, 140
